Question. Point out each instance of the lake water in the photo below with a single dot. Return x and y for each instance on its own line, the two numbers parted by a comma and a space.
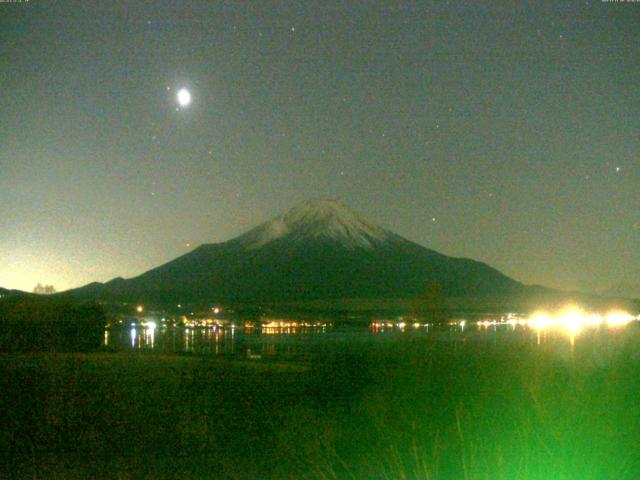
300, 343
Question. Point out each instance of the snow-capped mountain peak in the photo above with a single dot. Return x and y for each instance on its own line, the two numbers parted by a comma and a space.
318, 219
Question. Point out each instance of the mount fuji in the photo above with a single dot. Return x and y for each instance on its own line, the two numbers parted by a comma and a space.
317, 251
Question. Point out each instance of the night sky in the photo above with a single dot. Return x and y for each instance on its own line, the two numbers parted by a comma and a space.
505, 133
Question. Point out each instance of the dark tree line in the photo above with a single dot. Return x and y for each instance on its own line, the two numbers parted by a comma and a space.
46, 324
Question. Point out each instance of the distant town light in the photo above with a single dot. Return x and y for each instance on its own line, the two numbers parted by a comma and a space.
618, 319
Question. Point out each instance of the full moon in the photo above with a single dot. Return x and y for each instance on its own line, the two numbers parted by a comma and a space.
184, 97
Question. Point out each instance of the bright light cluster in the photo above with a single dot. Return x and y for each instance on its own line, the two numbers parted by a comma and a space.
291, 324
202, 322
400, 323
571, 320
574, 319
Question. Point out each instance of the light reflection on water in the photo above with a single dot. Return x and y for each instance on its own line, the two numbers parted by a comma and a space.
222, 340
258, 342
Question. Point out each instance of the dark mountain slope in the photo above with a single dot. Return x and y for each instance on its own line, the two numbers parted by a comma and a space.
317, 250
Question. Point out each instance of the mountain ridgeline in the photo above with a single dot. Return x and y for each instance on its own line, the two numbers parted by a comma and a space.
5, 293
316, 251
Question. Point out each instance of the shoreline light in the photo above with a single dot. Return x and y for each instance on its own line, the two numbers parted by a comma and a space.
618, 318
571, 319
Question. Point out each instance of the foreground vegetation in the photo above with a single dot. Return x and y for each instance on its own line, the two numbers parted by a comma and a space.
477, 409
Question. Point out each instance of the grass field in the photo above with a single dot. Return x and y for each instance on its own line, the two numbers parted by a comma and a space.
413, 410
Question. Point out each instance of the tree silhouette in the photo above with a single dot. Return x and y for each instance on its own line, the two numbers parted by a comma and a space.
44, 289
431, 303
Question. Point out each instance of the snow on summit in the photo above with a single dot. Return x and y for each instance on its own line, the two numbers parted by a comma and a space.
318, 219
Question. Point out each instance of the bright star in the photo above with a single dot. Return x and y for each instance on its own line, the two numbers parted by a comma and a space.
184, 97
